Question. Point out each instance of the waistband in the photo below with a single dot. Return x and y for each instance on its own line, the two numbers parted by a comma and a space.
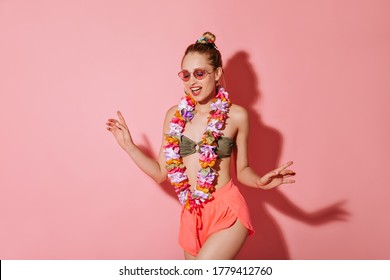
224, 189
220, 192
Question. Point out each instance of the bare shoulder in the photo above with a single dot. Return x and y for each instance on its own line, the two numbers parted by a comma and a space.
168, 116
170, 112
238, 114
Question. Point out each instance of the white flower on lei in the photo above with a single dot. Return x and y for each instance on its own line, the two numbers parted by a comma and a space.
171, 153
183, 196
214, 125
201, 195
219, 105
177, 177
175, 129
184, 105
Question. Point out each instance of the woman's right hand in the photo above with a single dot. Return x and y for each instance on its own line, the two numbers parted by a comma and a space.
121, 132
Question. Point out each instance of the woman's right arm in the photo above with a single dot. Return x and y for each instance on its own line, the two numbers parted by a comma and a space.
152, 167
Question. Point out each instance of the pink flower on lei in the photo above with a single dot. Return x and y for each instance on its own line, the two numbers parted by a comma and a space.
178, 122
207, 153
222, 94
176, 169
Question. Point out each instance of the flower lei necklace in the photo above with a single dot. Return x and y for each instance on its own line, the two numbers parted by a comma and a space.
207, 156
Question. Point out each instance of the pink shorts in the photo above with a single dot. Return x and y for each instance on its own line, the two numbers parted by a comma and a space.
222, 212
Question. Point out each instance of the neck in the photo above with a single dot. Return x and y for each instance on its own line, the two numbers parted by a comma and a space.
204, 106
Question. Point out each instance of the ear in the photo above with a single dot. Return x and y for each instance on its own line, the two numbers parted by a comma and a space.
218, 73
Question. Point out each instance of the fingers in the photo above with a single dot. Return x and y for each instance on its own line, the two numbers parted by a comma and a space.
121, 126
287, 172
113, 124
282, 173
121, 118
288, 181
121, 123
284, 166
279, 170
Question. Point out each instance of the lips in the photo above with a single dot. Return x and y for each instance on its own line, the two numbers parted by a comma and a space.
195, 90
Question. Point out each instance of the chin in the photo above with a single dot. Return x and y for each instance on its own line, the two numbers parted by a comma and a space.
201, 98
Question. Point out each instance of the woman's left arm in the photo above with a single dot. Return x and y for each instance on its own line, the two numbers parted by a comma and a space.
245, 174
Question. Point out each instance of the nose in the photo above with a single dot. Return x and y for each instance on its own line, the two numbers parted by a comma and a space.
192, 78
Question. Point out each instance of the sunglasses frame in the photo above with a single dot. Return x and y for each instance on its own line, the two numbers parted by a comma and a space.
192, 73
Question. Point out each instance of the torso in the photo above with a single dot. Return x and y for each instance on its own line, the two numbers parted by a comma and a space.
194, 130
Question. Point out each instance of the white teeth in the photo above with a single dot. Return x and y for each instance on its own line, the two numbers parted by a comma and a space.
195, 88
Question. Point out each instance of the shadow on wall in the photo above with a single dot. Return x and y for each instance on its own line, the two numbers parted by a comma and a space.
265, 144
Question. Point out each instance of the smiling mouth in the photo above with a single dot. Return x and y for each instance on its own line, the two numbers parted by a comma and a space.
196, 90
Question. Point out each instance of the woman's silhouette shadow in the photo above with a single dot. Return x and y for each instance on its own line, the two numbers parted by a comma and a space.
265, 145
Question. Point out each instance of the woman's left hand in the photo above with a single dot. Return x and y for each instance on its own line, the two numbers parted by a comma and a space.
276, 177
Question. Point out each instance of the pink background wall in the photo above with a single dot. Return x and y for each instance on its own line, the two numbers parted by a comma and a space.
313, 74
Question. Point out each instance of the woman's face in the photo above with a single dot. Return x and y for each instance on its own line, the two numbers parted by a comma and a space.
201, 90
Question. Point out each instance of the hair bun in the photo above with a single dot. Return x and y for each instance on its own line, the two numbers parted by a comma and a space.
207, 39
209, 36
206, 45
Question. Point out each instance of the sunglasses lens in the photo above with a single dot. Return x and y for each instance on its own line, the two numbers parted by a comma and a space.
200, 74
185, 75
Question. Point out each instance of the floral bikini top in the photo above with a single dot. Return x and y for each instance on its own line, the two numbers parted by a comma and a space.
189, 147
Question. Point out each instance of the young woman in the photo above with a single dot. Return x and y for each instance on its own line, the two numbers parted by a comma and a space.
200, 135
